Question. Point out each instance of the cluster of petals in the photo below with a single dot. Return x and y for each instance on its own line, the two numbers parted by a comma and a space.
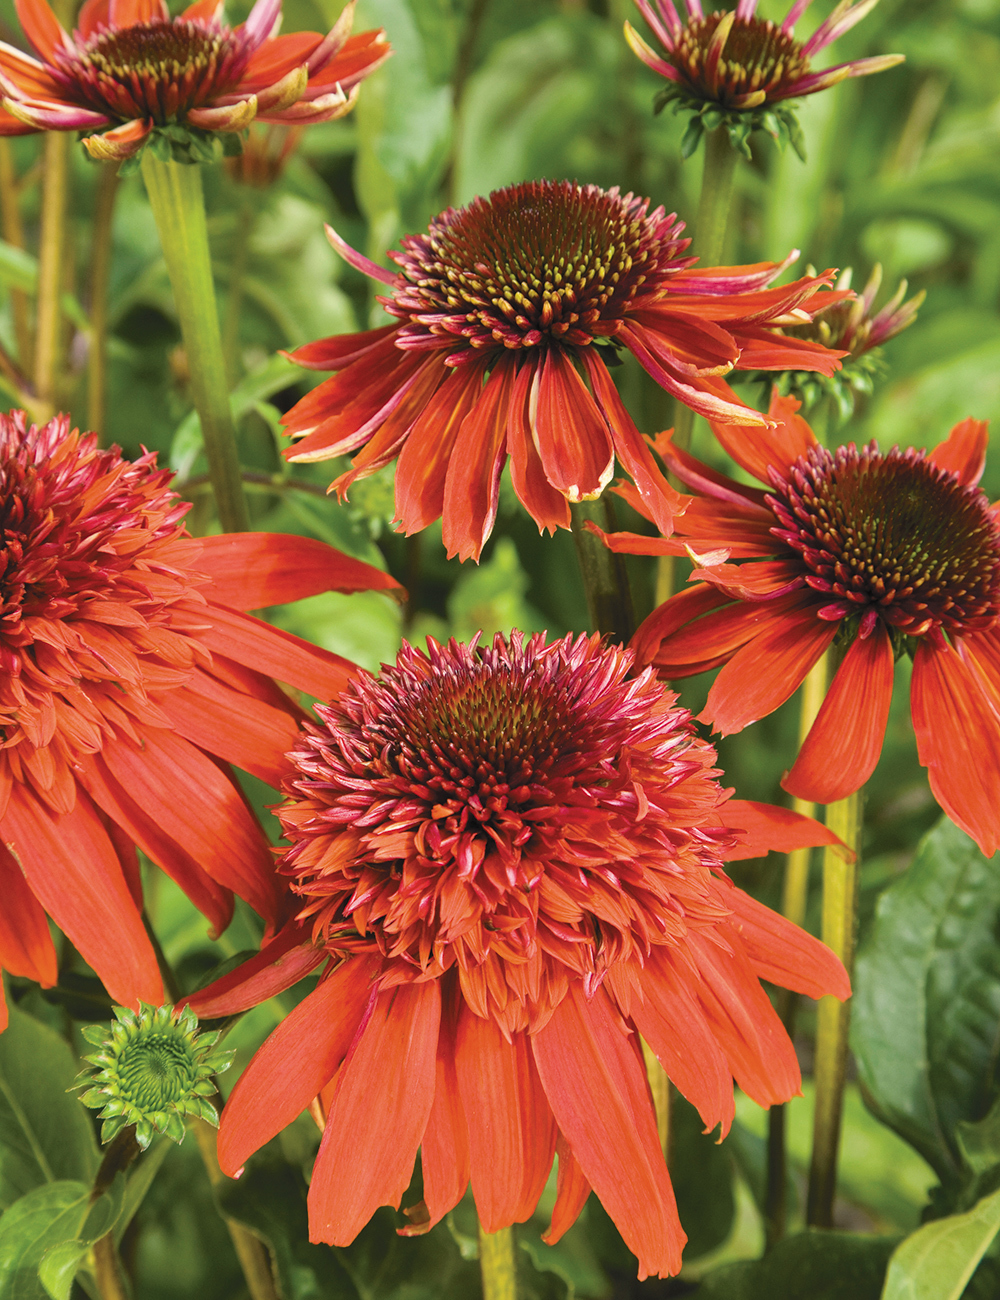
507, 314
741, 61
882, 552
509, 859
130, 677
130, 67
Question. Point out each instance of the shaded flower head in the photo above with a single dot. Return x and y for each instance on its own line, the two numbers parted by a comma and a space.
129, 678
153, 1069
739, 70
512, 856
882, 552
852, 326
132, 68
509, 312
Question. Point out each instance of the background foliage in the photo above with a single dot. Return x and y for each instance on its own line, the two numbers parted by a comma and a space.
480, 93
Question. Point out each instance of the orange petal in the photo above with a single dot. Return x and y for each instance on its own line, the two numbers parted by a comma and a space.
570, 432
381, 1106
572, 1190
512, 1136
768, 828
444, 1152
594, 1079
25, 943
547, 507
755, 448
73, 871
472, 480
130, 13
294, 1063
785, 954
281, 962
121, 142
963, 452
41, 27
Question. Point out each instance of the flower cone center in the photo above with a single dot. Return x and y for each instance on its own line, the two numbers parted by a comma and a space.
894, 532
158, 70
534, 263
757, 55
155, 1072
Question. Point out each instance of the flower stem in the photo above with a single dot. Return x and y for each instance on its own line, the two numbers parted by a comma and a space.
498, 1265
107, 1266
51, 252
795, 895
716, 195
605, 577
13, 232
100, 266
234, 298
840, 919
177, 200
250, 1250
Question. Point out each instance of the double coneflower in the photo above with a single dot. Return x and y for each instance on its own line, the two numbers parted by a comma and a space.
508, 314
129, 678
509, 860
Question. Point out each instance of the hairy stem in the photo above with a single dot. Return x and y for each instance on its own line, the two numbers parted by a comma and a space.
498, 1265
51, 254
795, 894
840, 921
605, 577
100, 267
175, 195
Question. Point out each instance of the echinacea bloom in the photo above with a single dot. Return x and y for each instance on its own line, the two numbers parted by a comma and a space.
885, 552
132, 68
852, 326
511, 858
508, 312
739, 64
129, 678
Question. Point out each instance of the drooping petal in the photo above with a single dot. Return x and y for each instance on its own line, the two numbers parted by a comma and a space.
958, 741
572, 1190
42, 28
119, 143
26, 946
593, 1077
254, 570
512, 1135
844, 743
768, 828
444, 1151
472, 481
572, 436
381, 1105
756, 449
281, 962
672, 615
547, 506
300, 1056
785, 953
73, 871
963, 452
768, 669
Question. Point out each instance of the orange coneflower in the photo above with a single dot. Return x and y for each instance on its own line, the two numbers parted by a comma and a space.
132, 68
511, 857
889, 552
510, 311
129, 678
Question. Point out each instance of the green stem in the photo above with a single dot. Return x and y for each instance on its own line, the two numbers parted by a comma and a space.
497, 1264
175, 195
716, 194
795, 896
234, 298
840, 920
659, 1087
107, 1266
605, 578
51, 252
97, 361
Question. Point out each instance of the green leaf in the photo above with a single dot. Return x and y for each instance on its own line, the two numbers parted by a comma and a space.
48, 1216
820, 1265
59, 1267
927, 998
702, 1174
937, 1261
44, 1132
18, 268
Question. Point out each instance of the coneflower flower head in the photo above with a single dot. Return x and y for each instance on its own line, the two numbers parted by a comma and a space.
511, 857
734, 69
177, 83
153, 1069
509, 312
851, 327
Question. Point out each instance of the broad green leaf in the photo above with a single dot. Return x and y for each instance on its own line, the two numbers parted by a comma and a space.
59, 1267
817, 1265
937, 1260
46, 1217
45, 1134
927, 998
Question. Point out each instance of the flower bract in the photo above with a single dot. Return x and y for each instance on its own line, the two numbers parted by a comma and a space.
129, 70
129, 677
508, 314
152, 1070
880, 552
511, 859
736, 69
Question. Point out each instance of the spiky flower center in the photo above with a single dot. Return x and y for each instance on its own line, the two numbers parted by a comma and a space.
892, 534
534, 264
156, 1071
757, 56
518, 811
157, 69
